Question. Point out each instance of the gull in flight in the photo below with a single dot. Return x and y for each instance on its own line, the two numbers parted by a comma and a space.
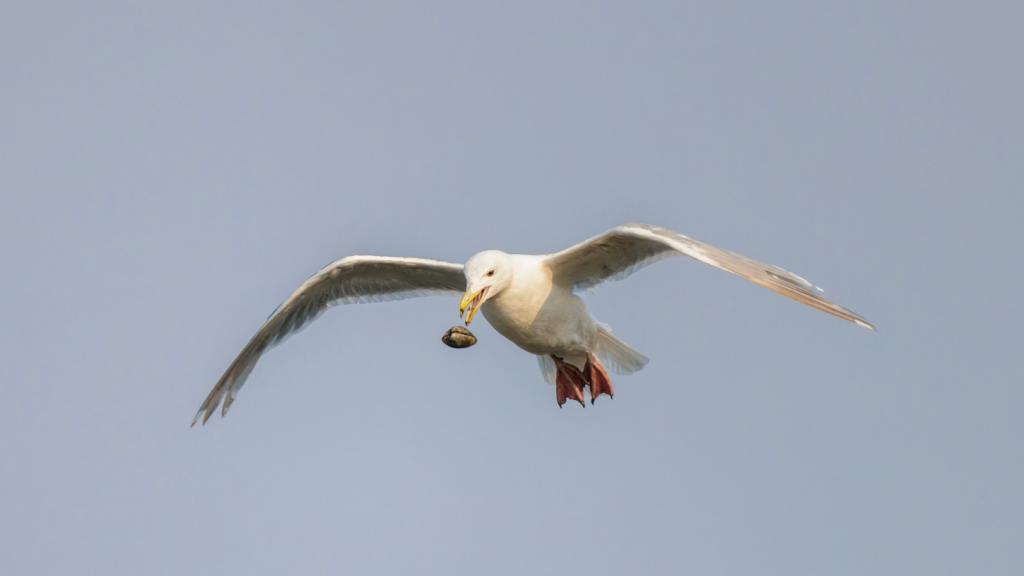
529, 299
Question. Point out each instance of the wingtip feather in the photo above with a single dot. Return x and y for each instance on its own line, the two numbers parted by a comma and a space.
227, 405
865, 324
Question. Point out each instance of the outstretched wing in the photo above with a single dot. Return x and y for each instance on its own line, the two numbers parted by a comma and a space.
351, 280
621, 251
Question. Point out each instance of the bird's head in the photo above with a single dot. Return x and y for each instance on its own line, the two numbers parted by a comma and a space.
487, 274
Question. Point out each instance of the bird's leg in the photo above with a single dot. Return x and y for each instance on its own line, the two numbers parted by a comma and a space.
569, 382
597, 377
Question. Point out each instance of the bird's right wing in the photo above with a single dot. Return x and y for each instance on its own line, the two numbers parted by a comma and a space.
351, 280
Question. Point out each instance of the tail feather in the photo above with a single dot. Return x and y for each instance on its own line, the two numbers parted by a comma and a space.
548, 368
616, 355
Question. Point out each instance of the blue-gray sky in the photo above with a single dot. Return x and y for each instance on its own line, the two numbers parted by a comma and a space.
171, 172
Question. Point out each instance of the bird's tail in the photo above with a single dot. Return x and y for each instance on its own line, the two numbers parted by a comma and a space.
618, 356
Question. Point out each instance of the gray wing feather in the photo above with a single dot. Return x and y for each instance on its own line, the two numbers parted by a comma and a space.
621, 251
351, 280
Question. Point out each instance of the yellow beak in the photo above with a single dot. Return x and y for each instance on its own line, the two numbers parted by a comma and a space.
471, 302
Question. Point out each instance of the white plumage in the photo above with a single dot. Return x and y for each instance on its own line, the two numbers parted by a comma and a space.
528, 299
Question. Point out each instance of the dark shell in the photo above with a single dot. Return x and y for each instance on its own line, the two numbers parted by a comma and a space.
458, 337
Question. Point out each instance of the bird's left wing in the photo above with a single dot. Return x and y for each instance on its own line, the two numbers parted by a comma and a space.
621, 251
351, 280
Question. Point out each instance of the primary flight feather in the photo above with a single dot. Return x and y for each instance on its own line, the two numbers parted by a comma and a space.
529, 299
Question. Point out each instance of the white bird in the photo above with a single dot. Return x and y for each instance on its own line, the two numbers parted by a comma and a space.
529, 299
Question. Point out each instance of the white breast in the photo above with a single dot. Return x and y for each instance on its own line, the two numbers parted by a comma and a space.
540, 317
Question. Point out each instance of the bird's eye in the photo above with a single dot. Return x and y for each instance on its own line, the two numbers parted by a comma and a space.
490, 273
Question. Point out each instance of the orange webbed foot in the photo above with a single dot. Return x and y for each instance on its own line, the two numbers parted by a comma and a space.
569, 383
597, 378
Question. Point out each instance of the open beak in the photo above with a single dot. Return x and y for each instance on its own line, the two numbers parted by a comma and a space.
471, 303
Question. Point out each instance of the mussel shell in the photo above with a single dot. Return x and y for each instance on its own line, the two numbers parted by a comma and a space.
458, 337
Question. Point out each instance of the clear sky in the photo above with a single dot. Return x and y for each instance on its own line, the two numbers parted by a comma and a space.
169, 173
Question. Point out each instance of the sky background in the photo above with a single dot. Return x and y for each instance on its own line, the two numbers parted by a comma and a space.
170, 172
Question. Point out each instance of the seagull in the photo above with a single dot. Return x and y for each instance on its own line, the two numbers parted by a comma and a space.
529, 299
